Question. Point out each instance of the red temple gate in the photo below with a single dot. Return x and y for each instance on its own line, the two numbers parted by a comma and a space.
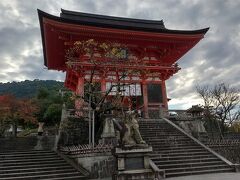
149, 52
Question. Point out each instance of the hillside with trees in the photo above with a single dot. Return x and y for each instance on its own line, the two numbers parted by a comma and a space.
28, 89
24, 104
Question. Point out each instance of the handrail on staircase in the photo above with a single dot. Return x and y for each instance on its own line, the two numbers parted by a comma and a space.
159, 173
75, 165
236, 166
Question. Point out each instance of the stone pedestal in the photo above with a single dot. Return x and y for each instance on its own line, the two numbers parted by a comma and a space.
40, 128
133, 163
108, 135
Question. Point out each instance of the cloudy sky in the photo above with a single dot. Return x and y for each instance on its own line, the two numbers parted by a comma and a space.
214, 60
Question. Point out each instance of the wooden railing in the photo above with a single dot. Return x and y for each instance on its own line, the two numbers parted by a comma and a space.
86, 149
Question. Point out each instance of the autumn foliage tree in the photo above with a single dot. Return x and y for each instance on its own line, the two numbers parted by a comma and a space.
14, 111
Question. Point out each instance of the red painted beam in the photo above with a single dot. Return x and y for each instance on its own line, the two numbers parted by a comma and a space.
55, 40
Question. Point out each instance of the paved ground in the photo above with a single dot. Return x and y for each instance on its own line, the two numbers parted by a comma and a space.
219, 176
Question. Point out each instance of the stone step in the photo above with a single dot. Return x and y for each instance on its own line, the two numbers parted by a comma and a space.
25, 153
160, 130
149, 136
29, 160
62, 175
169, 148
43, 161
24, 169
189, 164
36, 165
75, 177
153, 124
159, 134
32, 164
149, 122
181, 150
180, 157
195, 172
156, 126
167, 161
197, 168
35, 156
152, 120
184, 153
178, 154
169, 141
166, 140
157, 130
171, 144
163, 136
37, 172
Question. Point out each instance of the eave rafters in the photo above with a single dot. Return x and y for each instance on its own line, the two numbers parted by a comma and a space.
80, 31
153, 53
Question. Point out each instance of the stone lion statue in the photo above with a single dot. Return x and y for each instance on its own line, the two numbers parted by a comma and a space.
132, 135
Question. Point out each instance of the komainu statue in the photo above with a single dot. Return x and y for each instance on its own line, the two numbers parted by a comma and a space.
132, 136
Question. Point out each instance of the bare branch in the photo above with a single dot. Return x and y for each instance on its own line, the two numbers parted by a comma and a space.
224, 100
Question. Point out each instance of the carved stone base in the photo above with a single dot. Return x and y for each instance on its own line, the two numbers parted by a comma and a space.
134, 175
133, 163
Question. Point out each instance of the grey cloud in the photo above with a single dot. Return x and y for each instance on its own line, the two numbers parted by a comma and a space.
3, 77
5, 64
14, 40
218, 50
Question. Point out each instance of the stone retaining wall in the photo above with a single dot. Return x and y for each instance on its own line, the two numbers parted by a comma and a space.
27, 143
99, 166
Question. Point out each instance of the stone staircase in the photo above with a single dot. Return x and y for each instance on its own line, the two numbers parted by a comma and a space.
178, 154
33, 164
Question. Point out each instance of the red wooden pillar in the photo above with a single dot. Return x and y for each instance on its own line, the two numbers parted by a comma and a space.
164, 95
145, 99
79, 92
80, 86
103, 85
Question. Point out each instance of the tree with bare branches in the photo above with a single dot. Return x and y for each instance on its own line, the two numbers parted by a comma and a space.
221, 102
